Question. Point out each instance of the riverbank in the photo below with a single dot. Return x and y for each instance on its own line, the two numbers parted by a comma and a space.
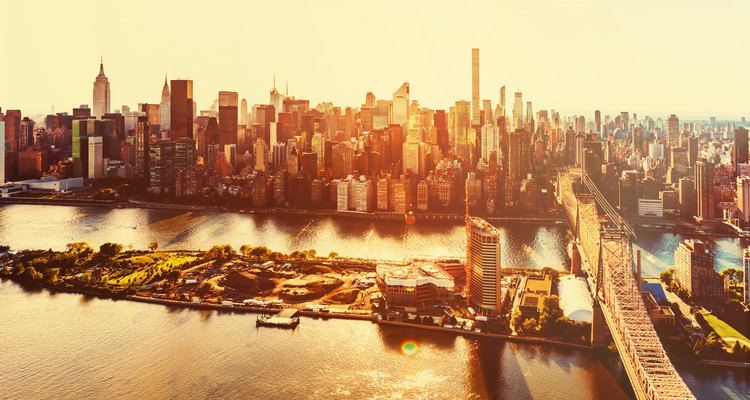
345, 315
375, 215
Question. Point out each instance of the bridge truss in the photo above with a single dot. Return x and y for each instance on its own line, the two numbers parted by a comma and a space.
607, 245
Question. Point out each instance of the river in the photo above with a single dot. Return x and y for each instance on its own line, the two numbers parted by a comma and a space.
74, 347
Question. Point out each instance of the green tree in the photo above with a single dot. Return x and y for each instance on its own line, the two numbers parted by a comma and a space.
260, 252
33, 274
529, 325
515, 320
153, 246
80, 248
735, 275
245, 250
110, 250
666, 276
333, 255
550, 312
220, 253
51, 274
4, 248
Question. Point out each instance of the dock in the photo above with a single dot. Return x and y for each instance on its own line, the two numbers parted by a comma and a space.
286, 318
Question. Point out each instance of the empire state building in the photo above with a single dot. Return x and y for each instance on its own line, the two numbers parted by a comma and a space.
101, 93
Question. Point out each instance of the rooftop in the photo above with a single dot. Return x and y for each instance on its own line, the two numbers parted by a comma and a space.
484, 225
417, 273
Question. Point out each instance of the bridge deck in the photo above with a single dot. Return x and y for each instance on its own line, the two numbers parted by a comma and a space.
608, 252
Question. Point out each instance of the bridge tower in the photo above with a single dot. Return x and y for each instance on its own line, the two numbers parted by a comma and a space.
599, 328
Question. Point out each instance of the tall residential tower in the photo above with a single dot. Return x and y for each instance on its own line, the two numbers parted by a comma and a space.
475, 106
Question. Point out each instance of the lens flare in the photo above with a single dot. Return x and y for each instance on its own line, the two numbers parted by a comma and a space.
409, 347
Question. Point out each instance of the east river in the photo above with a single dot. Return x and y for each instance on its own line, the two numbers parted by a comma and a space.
74, 347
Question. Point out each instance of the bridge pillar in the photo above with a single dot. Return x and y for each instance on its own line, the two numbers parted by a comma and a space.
598, 327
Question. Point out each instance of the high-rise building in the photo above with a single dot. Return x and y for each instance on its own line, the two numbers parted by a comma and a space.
260, 150
227, 118
740, 147
243, 112
343, 156
673, 131
502, 101
12, 129
161, 166
165, 114
743, 197
440, 122
101, 93
414, 157
475, 106
694, 272
483, 271
276, 100
746, 270
184, 154
400, 107
704, 190
319, 147
518, 112
518, 154
598, 122
181, 109
80, 147
490, 143
96, 158
142, 153
2, 151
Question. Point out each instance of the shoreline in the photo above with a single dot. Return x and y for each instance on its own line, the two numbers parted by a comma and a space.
303, 312
374, 216
448, 218
343, 315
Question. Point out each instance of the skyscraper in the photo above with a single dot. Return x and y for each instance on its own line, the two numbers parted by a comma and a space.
704, 189
400, 111
181, 109
101, 93
440, 122
227, 118
142, 152
743, 197
518, 112
740, 148
243, 112
164, 112
2, 151
161, 166
673, 131
475, 106
490, 142
96, 158
483, 266
598, 122
694, 271
276, 100
502, 101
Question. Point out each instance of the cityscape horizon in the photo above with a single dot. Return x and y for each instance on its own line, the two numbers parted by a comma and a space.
471, 230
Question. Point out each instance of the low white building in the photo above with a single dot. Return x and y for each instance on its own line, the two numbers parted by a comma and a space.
575, 299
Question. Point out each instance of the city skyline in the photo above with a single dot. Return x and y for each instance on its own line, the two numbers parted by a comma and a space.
379, 61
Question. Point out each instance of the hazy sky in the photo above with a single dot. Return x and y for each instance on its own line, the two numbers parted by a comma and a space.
651, 57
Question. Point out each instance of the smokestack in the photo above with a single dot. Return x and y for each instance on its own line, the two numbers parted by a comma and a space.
638, 278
